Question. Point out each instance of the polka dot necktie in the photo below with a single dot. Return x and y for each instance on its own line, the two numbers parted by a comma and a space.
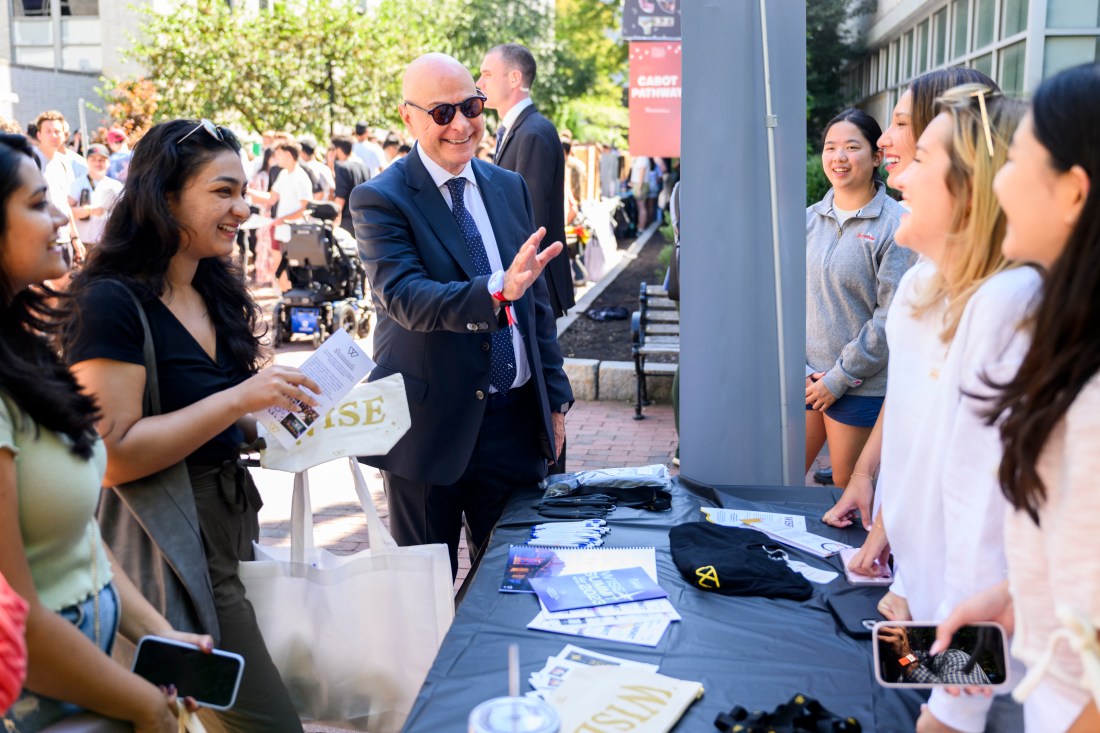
502, 356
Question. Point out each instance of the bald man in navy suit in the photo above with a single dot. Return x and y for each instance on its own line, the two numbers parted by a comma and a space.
451, 252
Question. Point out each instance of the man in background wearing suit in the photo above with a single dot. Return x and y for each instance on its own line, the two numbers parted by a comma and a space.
528, 144
452, 263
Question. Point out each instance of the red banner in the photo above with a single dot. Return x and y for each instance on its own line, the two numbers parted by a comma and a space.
655, 86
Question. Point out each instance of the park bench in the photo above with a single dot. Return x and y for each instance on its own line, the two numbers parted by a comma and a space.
654, 330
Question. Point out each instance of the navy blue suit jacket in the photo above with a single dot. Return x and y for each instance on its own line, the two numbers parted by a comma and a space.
435, 315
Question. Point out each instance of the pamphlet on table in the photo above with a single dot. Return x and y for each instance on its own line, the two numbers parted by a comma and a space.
652, 702
641, 621
571, 657
336, 366
602, 588
787, 529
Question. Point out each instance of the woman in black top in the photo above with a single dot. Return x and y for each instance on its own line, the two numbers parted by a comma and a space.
168, 241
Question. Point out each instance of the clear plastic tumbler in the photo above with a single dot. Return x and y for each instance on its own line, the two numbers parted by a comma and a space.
514, 715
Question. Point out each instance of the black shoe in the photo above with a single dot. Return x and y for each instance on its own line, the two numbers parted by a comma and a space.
824, 476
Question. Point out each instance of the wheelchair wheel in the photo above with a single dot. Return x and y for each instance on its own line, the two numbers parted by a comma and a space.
346, 318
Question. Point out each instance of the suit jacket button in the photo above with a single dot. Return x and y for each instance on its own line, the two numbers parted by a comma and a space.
479, 394
484, 345
483, 326
471, 326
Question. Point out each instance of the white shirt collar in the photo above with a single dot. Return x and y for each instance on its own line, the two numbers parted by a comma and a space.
441, 175
510, 118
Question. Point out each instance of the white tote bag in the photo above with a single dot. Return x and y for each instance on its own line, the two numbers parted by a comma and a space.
353, 636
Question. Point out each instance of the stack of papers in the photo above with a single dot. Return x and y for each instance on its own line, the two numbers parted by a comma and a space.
602, 573
570, 658
787, 529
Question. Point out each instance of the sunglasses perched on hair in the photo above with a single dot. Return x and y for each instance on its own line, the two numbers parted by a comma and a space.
442, 114
219, 133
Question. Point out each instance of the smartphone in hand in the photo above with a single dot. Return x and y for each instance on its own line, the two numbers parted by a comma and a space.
977, 656
846, 556
211, 679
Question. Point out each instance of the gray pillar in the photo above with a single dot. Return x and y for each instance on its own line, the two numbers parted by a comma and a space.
732, 427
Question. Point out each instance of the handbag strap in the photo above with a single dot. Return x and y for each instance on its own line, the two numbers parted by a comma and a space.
150, 402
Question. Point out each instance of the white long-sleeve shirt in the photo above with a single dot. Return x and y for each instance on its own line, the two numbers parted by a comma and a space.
942, 505
1057, 564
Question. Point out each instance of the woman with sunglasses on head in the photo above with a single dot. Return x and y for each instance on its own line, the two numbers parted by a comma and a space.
51, 467
168, 243
1049, 412
910, 116
957, 317
852, 269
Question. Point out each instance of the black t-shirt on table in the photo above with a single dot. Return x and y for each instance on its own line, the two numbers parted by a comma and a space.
110, 328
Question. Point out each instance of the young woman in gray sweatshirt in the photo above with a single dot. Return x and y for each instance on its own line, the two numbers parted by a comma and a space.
852, 269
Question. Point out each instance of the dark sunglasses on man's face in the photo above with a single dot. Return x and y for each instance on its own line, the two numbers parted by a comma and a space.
442, 114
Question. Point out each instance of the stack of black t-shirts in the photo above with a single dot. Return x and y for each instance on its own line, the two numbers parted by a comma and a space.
734, 562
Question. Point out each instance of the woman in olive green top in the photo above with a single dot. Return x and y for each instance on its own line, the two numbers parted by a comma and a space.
51, 469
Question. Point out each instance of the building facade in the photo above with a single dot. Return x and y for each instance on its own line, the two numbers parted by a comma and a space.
1017, 42
53, 52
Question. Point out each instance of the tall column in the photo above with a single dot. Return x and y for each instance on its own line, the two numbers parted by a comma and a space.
734, 428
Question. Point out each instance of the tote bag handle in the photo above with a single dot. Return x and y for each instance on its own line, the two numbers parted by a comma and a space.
301, 515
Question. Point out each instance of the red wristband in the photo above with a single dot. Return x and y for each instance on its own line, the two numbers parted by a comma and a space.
507, 304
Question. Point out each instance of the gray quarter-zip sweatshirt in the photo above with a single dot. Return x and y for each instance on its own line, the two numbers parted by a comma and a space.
852, 271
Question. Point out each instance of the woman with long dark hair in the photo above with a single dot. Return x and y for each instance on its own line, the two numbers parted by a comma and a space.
51, 468
168, 243
1049, 411
852, 269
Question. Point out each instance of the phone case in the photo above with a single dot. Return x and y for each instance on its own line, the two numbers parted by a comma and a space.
995, 656
856, 610
150, 642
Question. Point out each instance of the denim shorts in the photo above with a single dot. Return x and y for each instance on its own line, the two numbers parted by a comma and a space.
855, 410
33, 712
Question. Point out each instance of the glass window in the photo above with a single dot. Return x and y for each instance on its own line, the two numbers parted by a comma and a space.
35, 56
1012, 69
1062, 53
79, 7
959, 10
82, 58
907, 57
983, 22
893, 75
31, 9
939, 37
32, 32
922, 47
1013, 17
80, 31
872, 77
1073, 13
883, 66
983, 64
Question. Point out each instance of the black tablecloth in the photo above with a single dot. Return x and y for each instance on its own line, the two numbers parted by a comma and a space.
754, 652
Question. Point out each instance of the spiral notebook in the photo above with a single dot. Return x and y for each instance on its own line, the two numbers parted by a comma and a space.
526, 562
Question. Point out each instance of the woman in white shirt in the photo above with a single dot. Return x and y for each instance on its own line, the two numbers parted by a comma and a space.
1050, 412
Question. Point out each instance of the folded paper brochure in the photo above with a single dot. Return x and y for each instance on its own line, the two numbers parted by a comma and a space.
607, 699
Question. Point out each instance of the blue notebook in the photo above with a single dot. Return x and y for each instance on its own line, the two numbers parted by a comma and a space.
588, 590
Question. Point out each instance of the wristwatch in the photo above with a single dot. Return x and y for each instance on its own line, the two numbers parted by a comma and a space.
907, 660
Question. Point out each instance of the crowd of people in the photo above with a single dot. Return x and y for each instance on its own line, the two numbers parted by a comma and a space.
952, 367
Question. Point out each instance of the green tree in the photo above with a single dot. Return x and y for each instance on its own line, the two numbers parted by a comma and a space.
304, 66
830, 43
307, 65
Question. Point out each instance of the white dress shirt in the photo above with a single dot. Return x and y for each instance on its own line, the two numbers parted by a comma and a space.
510, 118
471, 197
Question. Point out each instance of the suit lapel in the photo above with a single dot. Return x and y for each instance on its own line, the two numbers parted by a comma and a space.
436, 212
